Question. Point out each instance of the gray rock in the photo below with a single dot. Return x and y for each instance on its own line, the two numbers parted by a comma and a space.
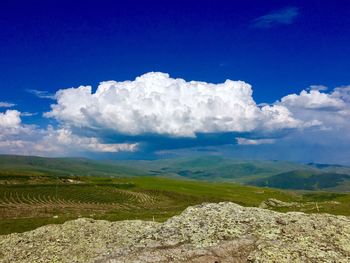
224, 232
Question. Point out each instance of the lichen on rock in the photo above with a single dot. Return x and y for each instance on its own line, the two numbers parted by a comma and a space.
223, 232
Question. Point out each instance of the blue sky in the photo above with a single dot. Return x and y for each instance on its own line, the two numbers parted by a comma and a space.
278, 47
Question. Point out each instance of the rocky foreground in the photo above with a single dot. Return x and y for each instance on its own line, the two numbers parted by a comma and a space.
223, 232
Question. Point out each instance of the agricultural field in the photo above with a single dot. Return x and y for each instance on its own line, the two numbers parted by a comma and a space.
29, 200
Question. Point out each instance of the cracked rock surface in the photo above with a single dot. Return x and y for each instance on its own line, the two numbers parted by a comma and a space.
223, 232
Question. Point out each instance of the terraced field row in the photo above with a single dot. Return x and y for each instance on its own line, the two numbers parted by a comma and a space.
138, 197
50, 199
17, 200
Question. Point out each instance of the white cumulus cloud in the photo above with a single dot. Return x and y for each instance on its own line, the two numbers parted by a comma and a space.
342, 93
155, 103
330, 110
314, 99
10, 119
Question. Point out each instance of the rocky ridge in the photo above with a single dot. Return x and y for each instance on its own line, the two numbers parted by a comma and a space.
223, 232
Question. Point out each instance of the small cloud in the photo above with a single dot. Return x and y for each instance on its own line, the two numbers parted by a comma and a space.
285, 16
318, 87
4, 104
244, 141
28, 114
42, 94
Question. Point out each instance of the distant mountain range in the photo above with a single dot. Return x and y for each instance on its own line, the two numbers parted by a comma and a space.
277, 174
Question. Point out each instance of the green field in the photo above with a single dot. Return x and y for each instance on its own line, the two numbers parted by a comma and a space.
31, 200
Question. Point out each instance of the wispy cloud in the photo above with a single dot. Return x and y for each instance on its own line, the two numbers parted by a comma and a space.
284, 16
245, 141
28, 114
4, 104
41, 94
318, 87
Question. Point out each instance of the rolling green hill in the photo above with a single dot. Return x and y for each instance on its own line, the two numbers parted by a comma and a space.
331, 168
277, 174
303, 180
215, 168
